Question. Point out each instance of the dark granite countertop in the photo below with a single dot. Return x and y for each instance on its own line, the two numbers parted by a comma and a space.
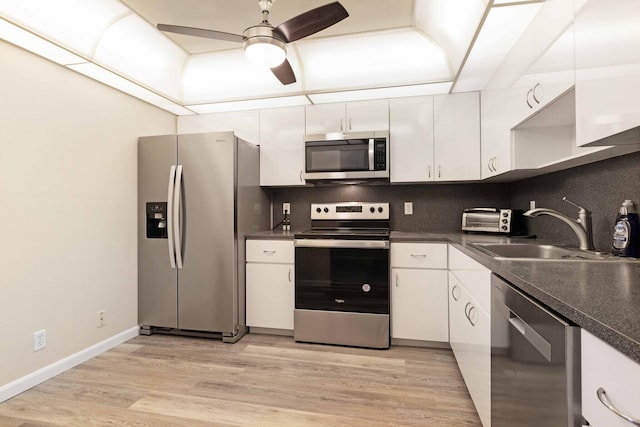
601, 297
272, 235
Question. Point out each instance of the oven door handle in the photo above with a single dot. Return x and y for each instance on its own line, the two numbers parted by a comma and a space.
331, 243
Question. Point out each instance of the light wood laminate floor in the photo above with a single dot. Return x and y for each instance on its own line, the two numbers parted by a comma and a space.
262, 380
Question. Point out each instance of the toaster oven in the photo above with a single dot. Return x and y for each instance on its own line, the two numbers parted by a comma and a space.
493, 220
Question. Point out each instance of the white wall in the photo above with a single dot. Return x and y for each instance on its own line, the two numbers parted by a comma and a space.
68, 245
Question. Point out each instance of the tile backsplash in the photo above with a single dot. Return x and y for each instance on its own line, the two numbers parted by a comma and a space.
600, 187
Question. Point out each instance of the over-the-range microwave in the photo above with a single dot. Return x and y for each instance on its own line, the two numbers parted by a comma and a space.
361, 155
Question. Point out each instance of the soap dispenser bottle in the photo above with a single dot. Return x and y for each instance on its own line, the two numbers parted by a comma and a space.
625, 232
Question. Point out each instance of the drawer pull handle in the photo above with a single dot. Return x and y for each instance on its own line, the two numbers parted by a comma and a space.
269, 252
419, 255
289, 275
602, 397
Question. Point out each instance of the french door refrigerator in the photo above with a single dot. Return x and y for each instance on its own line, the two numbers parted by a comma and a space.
198, 196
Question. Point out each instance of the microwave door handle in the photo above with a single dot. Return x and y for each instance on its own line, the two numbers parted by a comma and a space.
370, 154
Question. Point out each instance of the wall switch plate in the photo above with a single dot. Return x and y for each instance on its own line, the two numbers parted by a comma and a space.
39, 340
532, 204
408, 208
286, 207
100, 318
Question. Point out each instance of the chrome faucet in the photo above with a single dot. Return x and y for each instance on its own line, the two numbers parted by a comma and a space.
581, 226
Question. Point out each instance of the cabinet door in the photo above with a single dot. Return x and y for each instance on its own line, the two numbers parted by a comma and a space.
419, 305
325, 118
552, 72
607, 71
365, 116
471, 344
361, 116
604, 367
457, 136
282, 146
411, 135
497, 118
270, 299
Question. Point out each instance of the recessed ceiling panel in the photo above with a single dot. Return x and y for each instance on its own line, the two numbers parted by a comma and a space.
377, 59
233, 16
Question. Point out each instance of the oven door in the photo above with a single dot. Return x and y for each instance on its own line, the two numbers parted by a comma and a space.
342, 275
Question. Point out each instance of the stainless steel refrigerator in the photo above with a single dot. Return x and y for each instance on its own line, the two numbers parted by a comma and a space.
198, 196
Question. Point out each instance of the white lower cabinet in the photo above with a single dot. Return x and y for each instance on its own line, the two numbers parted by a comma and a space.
419, 292
470, 327
608, 378
270, 284
418, 305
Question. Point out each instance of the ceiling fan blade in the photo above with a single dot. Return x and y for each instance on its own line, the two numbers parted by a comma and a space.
312, 21
201, 32
284, 73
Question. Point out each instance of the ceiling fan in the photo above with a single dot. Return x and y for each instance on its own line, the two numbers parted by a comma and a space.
267, 45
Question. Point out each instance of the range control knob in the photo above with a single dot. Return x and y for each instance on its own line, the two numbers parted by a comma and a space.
505, 213
326, 210
318, 210
380, 209
372, 209
504, 227
504, 221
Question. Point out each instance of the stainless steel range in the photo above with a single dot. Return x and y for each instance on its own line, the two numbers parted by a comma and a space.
342, 276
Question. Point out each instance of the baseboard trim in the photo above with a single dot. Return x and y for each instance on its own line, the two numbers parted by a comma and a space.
16, 387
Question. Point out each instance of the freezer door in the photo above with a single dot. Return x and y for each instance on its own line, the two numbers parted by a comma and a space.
157, 280
207, 299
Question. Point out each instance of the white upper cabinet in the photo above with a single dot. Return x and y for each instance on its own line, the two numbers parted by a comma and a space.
362, 116
540, 67
282, 146
608, 72
411, 139
456, 136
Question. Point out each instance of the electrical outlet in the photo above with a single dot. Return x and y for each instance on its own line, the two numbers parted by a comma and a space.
408, 208
286, 207
532, 204
39, 340
100, 318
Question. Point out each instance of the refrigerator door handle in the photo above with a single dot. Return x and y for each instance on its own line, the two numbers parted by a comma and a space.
176, 216
172, 251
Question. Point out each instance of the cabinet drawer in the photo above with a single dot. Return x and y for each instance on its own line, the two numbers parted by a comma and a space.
271, 251
605, 367
419, 255
460, 261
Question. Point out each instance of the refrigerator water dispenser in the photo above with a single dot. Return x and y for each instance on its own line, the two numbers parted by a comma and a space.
156, 220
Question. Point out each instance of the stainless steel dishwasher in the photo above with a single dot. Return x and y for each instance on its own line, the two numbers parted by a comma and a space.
535, 362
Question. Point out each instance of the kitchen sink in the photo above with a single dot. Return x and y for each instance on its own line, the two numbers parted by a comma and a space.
540, 252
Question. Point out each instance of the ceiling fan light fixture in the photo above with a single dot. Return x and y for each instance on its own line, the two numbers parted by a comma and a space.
262, 48
265, 52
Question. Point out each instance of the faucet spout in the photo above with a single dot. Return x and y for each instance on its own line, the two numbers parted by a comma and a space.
581, 227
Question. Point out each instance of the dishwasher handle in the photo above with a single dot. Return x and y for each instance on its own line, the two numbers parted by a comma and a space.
540, 344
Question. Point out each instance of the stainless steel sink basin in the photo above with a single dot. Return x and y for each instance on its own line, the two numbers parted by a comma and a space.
540, 252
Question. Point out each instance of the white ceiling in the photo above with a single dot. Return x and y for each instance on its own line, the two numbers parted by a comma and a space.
233, 16
411, 47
